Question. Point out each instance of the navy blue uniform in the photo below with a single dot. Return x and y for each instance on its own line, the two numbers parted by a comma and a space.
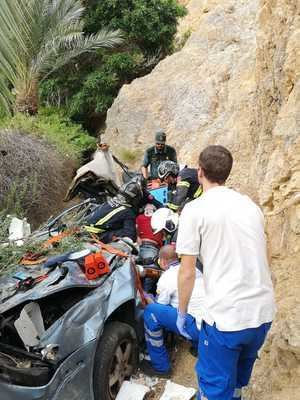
187, 188
112, 220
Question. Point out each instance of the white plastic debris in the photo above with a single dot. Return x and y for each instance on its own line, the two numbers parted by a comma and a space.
102, 165
173, 391
18, 230
30, 325
145, 380
132, 391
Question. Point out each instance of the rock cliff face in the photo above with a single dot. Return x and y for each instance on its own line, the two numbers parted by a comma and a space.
236, 83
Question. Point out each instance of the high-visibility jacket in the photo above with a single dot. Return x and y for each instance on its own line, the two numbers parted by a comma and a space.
187, 188
112, 220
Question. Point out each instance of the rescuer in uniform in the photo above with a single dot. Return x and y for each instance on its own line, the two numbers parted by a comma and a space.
156, 154
184, 185
117, 217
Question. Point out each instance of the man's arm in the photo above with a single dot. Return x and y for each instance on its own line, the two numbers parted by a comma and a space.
145, 172
146, 162
173, 155
186, 281
178, 198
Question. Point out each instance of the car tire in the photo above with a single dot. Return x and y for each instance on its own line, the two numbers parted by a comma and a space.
115, 359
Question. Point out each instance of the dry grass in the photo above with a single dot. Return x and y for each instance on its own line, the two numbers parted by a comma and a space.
130, 156
33, 176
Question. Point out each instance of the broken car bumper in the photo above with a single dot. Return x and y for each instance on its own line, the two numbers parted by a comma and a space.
71, 381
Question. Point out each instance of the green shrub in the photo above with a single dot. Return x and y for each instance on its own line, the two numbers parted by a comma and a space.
53, 124
18, 194
179, 44
88, 86
101, 86
129, 156
148, 24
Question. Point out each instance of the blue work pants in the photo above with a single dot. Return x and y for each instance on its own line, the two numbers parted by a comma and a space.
157, 318
226, 360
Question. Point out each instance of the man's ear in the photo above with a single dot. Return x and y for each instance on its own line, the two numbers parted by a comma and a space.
200, 174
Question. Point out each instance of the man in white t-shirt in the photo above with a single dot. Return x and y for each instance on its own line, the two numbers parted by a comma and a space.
227, 230
162, 314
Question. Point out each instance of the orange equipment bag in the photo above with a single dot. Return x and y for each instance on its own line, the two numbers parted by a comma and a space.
95, 265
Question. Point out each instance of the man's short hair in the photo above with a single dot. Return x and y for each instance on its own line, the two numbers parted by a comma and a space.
168, 253
216, 163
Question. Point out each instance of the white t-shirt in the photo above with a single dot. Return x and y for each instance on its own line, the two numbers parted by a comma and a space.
167, 292
227, 230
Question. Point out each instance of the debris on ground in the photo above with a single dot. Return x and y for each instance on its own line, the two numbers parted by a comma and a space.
173, 391
137, 388
132, 391
18, 230
145, 380
162, 389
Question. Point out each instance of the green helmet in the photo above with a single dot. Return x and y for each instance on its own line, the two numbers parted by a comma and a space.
160, 137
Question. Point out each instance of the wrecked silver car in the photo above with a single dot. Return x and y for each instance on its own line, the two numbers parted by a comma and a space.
68, 337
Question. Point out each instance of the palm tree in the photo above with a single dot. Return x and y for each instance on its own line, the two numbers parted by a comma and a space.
36, 38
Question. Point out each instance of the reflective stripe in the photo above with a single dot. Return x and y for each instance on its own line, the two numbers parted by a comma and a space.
154, 342
93, 229
237, 393
110, 215
172, 206
154, 334
153, 317
184, 183
198, 192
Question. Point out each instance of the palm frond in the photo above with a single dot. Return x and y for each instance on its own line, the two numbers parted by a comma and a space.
65, 11
39, 36
6, 96
63, 49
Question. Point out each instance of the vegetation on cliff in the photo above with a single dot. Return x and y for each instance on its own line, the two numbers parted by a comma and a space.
55, 71
89, 87
38, 37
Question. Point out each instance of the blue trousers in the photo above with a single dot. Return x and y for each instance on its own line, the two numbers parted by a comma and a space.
158, 317
226, 360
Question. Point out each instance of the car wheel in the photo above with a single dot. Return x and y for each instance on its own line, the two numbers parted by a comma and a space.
115, 359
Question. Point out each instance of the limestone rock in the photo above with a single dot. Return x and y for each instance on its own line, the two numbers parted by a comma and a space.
236, 83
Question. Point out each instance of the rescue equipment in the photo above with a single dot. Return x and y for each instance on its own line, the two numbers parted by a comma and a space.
95, 265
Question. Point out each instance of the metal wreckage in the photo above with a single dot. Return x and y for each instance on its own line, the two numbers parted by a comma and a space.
68, 337
65, 335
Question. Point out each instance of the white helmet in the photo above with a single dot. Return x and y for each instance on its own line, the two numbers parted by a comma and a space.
165, 219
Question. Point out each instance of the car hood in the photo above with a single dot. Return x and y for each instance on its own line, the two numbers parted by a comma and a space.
66, 276
90, 301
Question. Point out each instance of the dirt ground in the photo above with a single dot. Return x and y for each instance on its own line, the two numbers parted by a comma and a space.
183, 371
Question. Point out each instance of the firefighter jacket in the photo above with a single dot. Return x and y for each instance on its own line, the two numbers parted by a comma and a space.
187, 188
110, 220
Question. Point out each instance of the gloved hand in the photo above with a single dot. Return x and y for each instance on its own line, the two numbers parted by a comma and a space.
181, 317
149, 298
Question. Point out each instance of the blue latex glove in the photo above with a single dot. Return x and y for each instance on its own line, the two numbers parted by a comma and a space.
181, 317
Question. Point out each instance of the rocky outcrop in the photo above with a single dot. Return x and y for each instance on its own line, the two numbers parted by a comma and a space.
236, 83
